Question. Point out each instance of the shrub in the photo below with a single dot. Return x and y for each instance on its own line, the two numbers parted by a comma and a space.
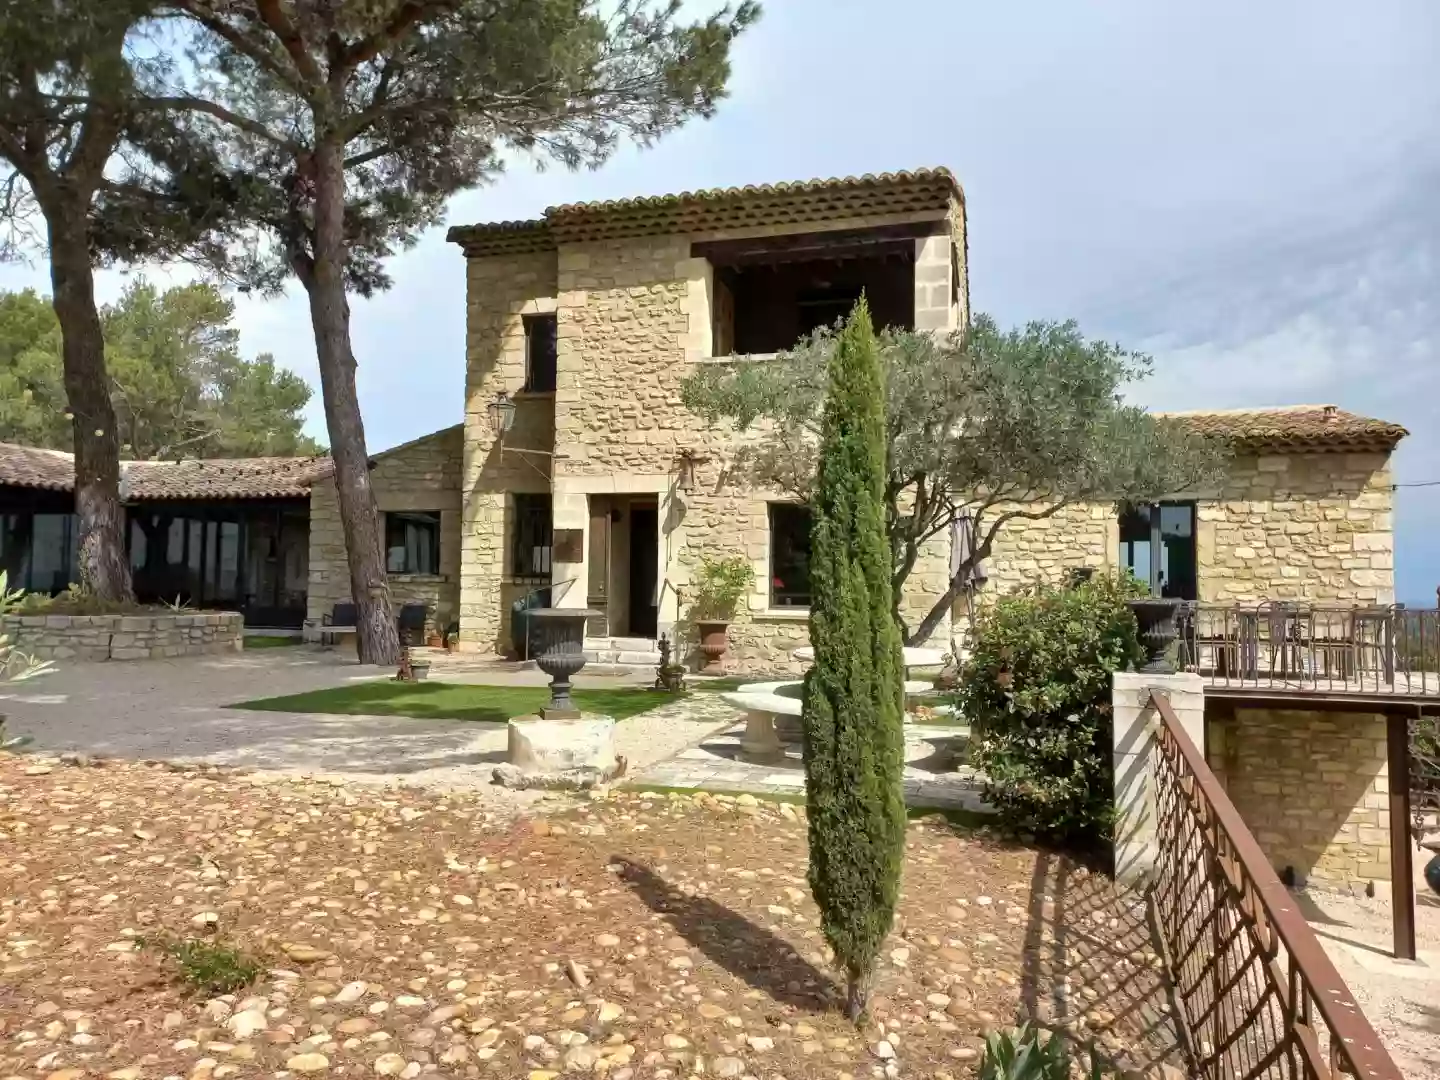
851, 716
1036, 691
207, 967
719, 586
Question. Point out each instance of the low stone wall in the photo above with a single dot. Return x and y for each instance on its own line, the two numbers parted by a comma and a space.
124, 637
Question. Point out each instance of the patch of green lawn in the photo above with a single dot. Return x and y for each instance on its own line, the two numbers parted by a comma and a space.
268, 641
456, 701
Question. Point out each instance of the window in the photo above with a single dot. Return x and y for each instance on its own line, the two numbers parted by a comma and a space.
789, 555
1169, 530
539, 352
533, 537
39, 551
412, 542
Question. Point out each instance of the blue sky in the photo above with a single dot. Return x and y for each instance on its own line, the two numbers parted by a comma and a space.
1250, 192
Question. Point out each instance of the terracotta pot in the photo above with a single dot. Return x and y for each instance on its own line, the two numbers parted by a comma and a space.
434, 641
713, 643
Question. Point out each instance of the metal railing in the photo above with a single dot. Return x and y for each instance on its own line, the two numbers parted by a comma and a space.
1255, 994
1315, 648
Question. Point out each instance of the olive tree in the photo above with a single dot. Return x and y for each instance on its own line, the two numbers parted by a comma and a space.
1002, 426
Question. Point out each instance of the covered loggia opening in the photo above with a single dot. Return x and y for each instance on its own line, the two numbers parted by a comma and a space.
769, 292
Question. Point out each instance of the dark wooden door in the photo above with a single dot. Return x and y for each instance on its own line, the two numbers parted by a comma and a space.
644, 539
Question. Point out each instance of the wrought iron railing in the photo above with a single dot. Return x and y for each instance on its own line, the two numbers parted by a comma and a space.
1317, 648
1256, 995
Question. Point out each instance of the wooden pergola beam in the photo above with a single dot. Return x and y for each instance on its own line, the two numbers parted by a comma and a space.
876, 242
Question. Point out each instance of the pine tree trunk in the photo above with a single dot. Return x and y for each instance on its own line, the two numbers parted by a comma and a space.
330, 316
104, 567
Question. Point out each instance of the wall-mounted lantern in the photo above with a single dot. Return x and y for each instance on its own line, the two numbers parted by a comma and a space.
502, 414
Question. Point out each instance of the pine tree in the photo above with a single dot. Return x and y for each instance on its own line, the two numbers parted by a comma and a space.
853, 708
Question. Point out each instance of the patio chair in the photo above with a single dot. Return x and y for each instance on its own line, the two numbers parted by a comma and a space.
342, 620
411, 621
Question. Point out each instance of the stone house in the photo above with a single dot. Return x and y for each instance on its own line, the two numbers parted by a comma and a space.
605, 492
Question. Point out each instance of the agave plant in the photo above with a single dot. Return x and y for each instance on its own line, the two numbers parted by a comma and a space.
14, 666
1028, 1053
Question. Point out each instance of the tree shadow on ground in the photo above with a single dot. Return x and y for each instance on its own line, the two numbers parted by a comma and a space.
760, 958
1086, 954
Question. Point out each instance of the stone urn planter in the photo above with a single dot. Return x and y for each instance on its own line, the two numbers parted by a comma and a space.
560, 644
714, 641
1157, 622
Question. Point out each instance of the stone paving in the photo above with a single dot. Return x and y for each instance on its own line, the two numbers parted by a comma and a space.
932, 779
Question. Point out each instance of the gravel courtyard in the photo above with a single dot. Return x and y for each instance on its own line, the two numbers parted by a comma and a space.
407, 932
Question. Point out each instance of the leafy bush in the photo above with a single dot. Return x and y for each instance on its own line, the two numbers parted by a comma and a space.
208, 967
1036, 690
719, 585
1027, 1054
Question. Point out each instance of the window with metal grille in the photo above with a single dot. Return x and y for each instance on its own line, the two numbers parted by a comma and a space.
533, 539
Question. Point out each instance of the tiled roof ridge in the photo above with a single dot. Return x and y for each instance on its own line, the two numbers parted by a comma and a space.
927, 189
1299, 426
273, 476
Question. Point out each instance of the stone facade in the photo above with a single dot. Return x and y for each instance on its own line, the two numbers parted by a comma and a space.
1312, 786
124, 637
419, 475
1310, 526
638, 312
1301, 526
633, 318
500, 292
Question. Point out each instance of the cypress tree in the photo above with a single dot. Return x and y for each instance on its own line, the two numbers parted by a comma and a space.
853, 706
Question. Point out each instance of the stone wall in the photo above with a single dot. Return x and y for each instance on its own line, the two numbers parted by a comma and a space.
1312, 787
500, 291
1312, 526
1300, 526
124, 637
419, 475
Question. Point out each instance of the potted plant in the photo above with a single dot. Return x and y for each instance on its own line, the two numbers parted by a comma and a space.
452, 637
719, 585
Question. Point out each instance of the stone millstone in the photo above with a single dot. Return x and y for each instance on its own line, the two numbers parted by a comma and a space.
541, 746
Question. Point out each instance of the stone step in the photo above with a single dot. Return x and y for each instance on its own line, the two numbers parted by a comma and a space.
616, 656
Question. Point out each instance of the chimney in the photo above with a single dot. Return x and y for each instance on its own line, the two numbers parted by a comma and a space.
1328, 411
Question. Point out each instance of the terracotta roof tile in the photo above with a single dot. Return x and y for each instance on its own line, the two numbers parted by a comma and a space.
225, 478
29, 466
710, 209
1299, 427
211, 478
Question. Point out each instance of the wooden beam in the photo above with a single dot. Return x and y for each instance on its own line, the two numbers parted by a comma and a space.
1402, 873
800, 247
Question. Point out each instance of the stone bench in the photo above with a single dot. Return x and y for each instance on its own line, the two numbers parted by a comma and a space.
772, 719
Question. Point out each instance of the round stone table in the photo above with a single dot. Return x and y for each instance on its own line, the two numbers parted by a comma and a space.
910, 657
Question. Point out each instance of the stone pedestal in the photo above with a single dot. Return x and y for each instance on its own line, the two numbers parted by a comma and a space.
551, 747
760, 744
1136, 724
